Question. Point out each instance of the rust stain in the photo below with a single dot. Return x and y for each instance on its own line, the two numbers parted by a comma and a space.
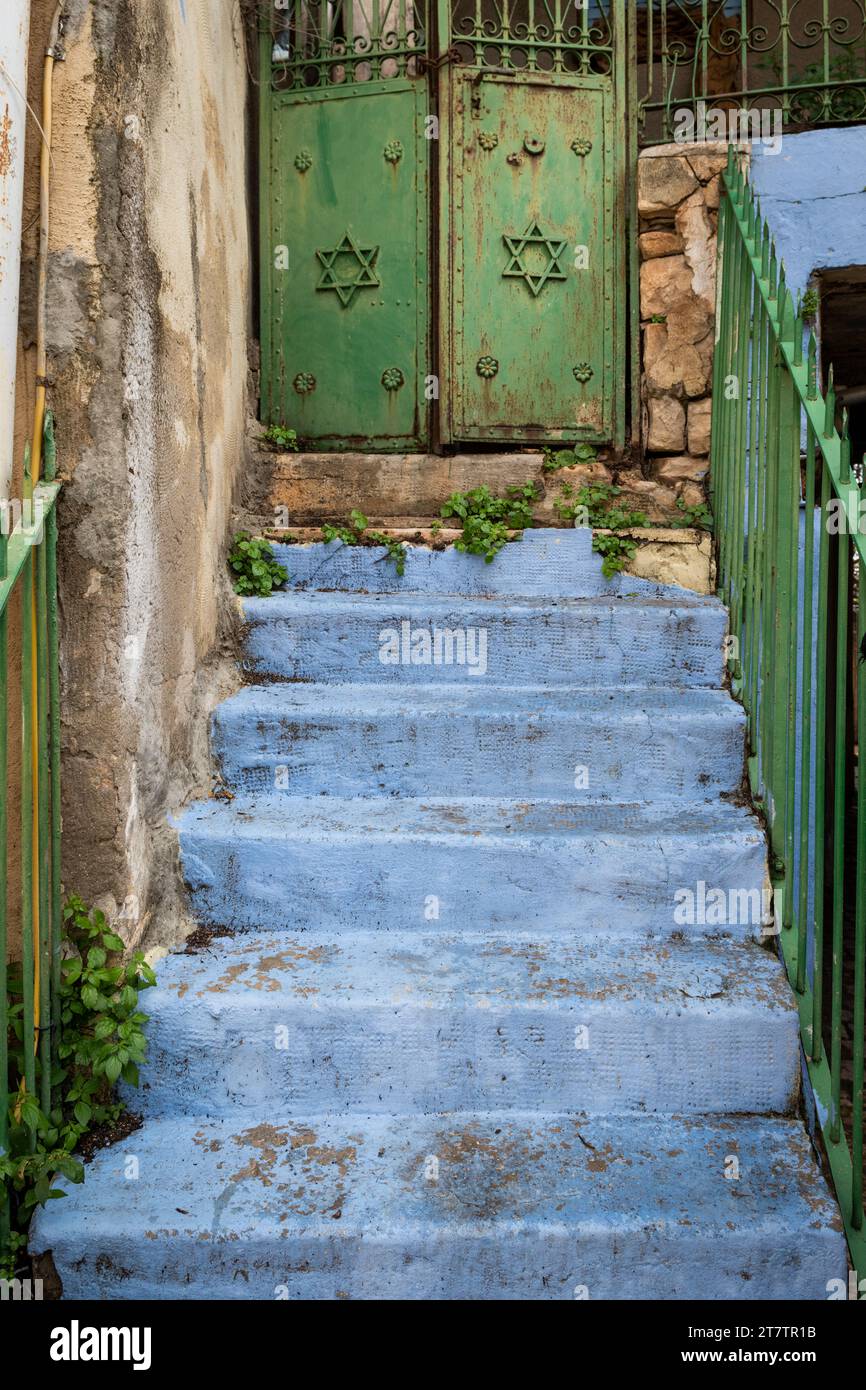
267, 1139
340, 1157
259, 975
7, 150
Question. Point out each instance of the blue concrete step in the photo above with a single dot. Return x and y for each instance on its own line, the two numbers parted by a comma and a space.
547, 563
453, 1022
429, 740
479, 863
427, 1207
610, 642
482, 1032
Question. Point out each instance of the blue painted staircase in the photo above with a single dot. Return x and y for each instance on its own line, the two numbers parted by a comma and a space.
477, 1034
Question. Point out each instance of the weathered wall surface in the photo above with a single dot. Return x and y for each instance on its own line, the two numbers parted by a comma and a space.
149, 306
813, 193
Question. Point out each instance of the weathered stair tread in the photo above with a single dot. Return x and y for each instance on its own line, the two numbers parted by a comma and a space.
415, 1207
297, 862
289, 602
548, 561
587, 744
488, 817
564, 702
449, 1021
598, 641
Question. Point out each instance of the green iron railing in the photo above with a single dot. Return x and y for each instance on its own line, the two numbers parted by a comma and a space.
791, 565
31, 916
802, 59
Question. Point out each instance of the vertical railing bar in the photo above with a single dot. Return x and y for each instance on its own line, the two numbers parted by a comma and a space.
759, 391
779, 610
663, 36
805, 722
791, 449
266, 238
719, 482
731, 330
786, 61
705, 49
744, 49
769, 624
761, 547
46, 961
27, 795
819, 847
741, 443
843, 566
53, 624
719, 403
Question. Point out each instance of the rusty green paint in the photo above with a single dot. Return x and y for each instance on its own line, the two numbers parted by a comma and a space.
347, 274
533, 261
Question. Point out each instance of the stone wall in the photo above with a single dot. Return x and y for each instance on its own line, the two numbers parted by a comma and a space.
149, 313
678, 201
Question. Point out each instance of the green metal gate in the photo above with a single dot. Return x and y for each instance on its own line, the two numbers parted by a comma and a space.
443, 222
344, 245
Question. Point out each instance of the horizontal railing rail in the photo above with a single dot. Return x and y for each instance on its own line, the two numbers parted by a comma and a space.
791, 550
30, 906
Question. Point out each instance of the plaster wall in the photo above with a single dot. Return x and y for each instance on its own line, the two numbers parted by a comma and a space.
148, 312
813, 192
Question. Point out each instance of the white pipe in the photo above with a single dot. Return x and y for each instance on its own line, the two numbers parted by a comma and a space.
14, 39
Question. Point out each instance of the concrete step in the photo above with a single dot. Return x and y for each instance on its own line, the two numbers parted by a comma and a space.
309, 488
416, 1207
390, 863
376, 1022
587, 745
546, 563
594, 642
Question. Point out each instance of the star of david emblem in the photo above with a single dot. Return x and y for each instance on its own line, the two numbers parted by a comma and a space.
517, 265
352, 278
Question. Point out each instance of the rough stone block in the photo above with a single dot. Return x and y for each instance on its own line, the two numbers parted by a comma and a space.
700, 415
663, 182
660, 243
667, 425
664, 283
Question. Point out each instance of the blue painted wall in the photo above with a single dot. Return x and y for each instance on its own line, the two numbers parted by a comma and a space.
814, 194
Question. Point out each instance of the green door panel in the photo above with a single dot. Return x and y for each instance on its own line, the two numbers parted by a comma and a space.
348, 274
534, 259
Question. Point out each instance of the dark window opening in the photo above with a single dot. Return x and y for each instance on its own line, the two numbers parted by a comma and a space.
843, 344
